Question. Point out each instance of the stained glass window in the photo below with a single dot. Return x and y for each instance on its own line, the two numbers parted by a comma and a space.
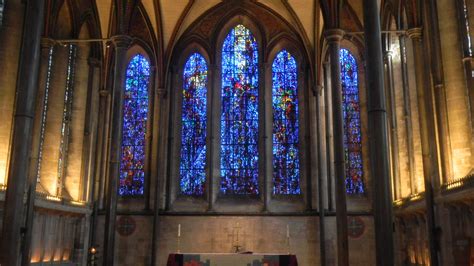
194, 126
352, 126
239, 113
286, 163
135, 115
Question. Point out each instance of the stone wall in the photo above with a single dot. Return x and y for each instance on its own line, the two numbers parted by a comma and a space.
259, 234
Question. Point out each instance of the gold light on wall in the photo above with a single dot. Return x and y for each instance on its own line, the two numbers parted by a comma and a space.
3, 172
53, 198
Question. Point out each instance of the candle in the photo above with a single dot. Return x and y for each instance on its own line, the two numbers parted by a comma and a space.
179, 230
288, 231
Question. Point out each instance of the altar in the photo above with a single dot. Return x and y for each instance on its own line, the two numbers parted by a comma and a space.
231, 259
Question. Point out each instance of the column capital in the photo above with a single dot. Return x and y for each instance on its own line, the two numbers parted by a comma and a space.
47, 43
387, 53
387, 56
93, 62
121, 41
104, 92
334, 35
468, 59
415, 33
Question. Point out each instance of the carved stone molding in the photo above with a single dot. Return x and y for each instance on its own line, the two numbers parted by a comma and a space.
334, 35
415, 33
121, 41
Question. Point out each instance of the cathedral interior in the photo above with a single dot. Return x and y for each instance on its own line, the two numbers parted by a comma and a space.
340, 132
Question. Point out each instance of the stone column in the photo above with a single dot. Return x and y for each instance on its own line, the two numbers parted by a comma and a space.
424, 95
390, 89
47, 49
149, 137
167, 117
90, 130
334, 37
407, 112
121, 43
441, 108
160, 95
27, 87
378, 141
329, 136
97, 191
103, 121
321, 182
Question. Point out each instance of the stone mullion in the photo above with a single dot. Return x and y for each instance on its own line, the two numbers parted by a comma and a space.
407, 114
121, 43
66, 121
26, 94
334, 37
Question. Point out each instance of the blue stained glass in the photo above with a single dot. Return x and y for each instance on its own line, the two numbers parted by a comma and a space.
194, 126
135, 115
239, 113
352, 126
286, 163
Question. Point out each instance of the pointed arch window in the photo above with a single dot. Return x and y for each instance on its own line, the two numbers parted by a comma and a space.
352, 124
239, 113
285, 135
194, 127
135, 116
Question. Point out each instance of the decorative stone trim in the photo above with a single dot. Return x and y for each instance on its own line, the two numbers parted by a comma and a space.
415, 33
334, 35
